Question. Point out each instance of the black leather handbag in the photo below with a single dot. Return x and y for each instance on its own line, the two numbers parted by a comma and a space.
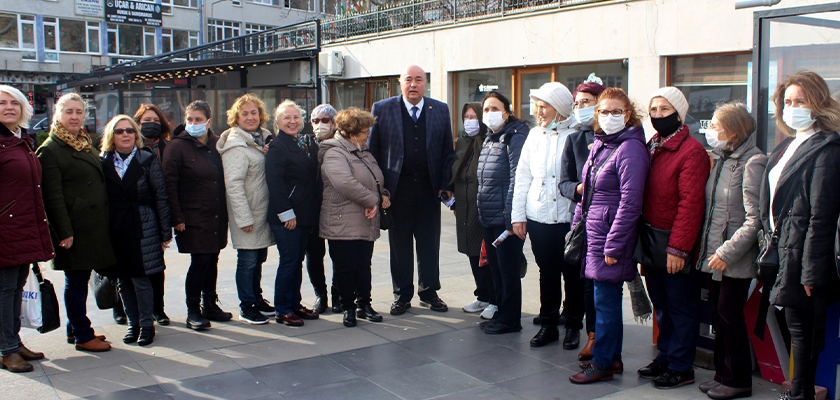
576, 238
50, 319
104, 291
768, 257
651, 244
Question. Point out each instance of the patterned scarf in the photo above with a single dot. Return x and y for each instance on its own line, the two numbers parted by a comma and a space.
122, 165
659, 142
80, 142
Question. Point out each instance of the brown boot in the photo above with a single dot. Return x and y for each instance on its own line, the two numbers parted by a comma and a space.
15, 363
586, 352
29, 355
94, 345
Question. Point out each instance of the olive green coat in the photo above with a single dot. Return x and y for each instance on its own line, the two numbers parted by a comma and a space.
76, 202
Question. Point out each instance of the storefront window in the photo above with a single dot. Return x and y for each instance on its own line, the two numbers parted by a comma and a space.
131, 40
707, 81
8, 31
613, 74
350, 93
473, 85
362, 93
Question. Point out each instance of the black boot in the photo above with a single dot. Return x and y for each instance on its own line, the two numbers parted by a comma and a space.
147, 336
321, 302
336, 305
365, 311
131, 334
194, 318
119, 315
211, 310
350, 318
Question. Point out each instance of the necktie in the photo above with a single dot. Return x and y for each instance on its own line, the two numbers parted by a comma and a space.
414, 113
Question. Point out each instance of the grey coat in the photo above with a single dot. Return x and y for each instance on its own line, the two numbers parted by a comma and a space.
732, 211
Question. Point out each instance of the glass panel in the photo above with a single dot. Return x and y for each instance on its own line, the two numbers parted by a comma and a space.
528, 83
8, 31
27, 35
706, 81
180, 39
49, 37
349, 93
131, 40
150, 44
473, 85
378, 91
804, 42
613, 74
71, 39
112, 42
93, 40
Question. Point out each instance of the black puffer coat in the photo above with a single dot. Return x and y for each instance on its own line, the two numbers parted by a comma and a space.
575, 153
496, 171
807, 231
139, 215
465, 183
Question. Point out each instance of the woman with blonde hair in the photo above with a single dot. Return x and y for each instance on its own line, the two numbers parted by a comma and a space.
243, 148
25, 237
799, 206
140, 227
350, 210
75, 199
292, 208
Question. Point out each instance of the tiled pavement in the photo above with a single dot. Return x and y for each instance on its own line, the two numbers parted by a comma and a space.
419, 355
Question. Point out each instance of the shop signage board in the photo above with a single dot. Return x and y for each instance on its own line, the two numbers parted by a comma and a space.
133, 12
90, 8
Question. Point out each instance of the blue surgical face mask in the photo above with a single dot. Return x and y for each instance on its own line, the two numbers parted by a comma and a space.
553, 125
586, 115
798, 118
196, 130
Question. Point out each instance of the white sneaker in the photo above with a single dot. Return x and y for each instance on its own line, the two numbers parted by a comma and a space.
476, 306
489, 312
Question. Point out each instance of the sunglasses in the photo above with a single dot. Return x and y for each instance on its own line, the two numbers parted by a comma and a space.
325, 120
120, 131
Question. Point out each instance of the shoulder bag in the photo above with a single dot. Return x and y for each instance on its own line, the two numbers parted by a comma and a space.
386, 221
50, 320
576, 238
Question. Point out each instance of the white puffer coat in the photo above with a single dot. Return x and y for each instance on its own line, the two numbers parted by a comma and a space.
245, 185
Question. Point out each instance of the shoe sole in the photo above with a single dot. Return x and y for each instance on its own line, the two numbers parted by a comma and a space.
369, 318
252, 322
736, 396
267, 313
25, 370
675, 386
567, 347
289, 324
407, 306
424, 304
471, 311
91, 350
163, 322
198, 328
544, 343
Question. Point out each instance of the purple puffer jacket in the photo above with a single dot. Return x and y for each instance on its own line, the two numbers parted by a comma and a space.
616, 204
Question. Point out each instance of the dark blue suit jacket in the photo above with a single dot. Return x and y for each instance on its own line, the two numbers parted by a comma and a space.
386, 141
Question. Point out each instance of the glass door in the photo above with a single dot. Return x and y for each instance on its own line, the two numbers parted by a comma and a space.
526, 81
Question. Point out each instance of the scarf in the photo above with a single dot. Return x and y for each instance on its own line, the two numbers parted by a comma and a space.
122, 165
80, 142
639, 300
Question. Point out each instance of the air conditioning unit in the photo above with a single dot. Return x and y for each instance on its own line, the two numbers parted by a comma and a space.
301, 73
330, 63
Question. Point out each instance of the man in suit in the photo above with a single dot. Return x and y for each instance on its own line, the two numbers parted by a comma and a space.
412, 142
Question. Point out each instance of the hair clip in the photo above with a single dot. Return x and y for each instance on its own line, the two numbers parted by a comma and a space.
593, 78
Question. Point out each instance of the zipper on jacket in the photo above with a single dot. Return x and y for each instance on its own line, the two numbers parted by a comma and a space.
705, 243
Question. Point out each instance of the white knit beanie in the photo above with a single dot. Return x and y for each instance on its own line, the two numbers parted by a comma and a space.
557, 96
675, 97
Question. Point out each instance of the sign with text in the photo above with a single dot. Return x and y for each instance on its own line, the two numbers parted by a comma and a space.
90, 8
133, 12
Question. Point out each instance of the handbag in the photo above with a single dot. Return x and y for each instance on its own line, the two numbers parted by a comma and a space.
50, 319
104, 291
768, 245
30, 305
651, 244
386, 220
576, 237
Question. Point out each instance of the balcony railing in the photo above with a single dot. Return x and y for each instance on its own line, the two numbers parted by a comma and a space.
417, 14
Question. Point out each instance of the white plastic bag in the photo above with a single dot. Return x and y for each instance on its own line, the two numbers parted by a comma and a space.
30, 307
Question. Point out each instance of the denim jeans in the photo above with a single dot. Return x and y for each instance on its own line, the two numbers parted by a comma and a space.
248, 275
504, 265
12, 280
292, 247
138, 300
674, 298
609, 324
75, 303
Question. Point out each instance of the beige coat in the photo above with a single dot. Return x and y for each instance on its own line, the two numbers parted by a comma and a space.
732, 218
349, 188
246, 189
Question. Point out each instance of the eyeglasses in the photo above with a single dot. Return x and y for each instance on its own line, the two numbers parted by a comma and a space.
120, 131
584, 103
325, 120
617, 112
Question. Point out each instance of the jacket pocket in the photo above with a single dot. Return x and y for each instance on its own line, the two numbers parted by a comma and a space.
8, 207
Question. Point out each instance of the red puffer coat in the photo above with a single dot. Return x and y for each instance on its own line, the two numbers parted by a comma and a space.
24, 235
675, 196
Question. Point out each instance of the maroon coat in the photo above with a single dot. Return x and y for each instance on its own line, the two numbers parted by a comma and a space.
24, 234
675, 192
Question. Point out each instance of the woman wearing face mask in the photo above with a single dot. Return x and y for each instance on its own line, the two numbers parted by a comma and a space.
496, 167
799, 204
293, 208
139, 214
468, 229
155, 132
350, 211
614, 179
25, 237
540, 210
728, 244
195, 184
76, 202
575, 152
323, 128
242, 148
674, 201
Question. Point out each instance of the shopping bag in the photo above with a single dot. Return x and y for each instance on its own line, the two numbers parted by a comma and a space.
30, 306
46, 301
104, 291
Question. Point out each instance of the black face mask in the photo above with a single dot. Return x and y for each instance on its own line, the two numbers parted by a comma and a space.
150, 130
665, 126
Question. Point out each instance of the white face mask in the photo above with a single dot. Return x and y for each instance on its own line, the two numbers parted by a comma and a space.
798, 118
712, 139
611, 124
493, 120
585, 115
323, 131
472, 127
